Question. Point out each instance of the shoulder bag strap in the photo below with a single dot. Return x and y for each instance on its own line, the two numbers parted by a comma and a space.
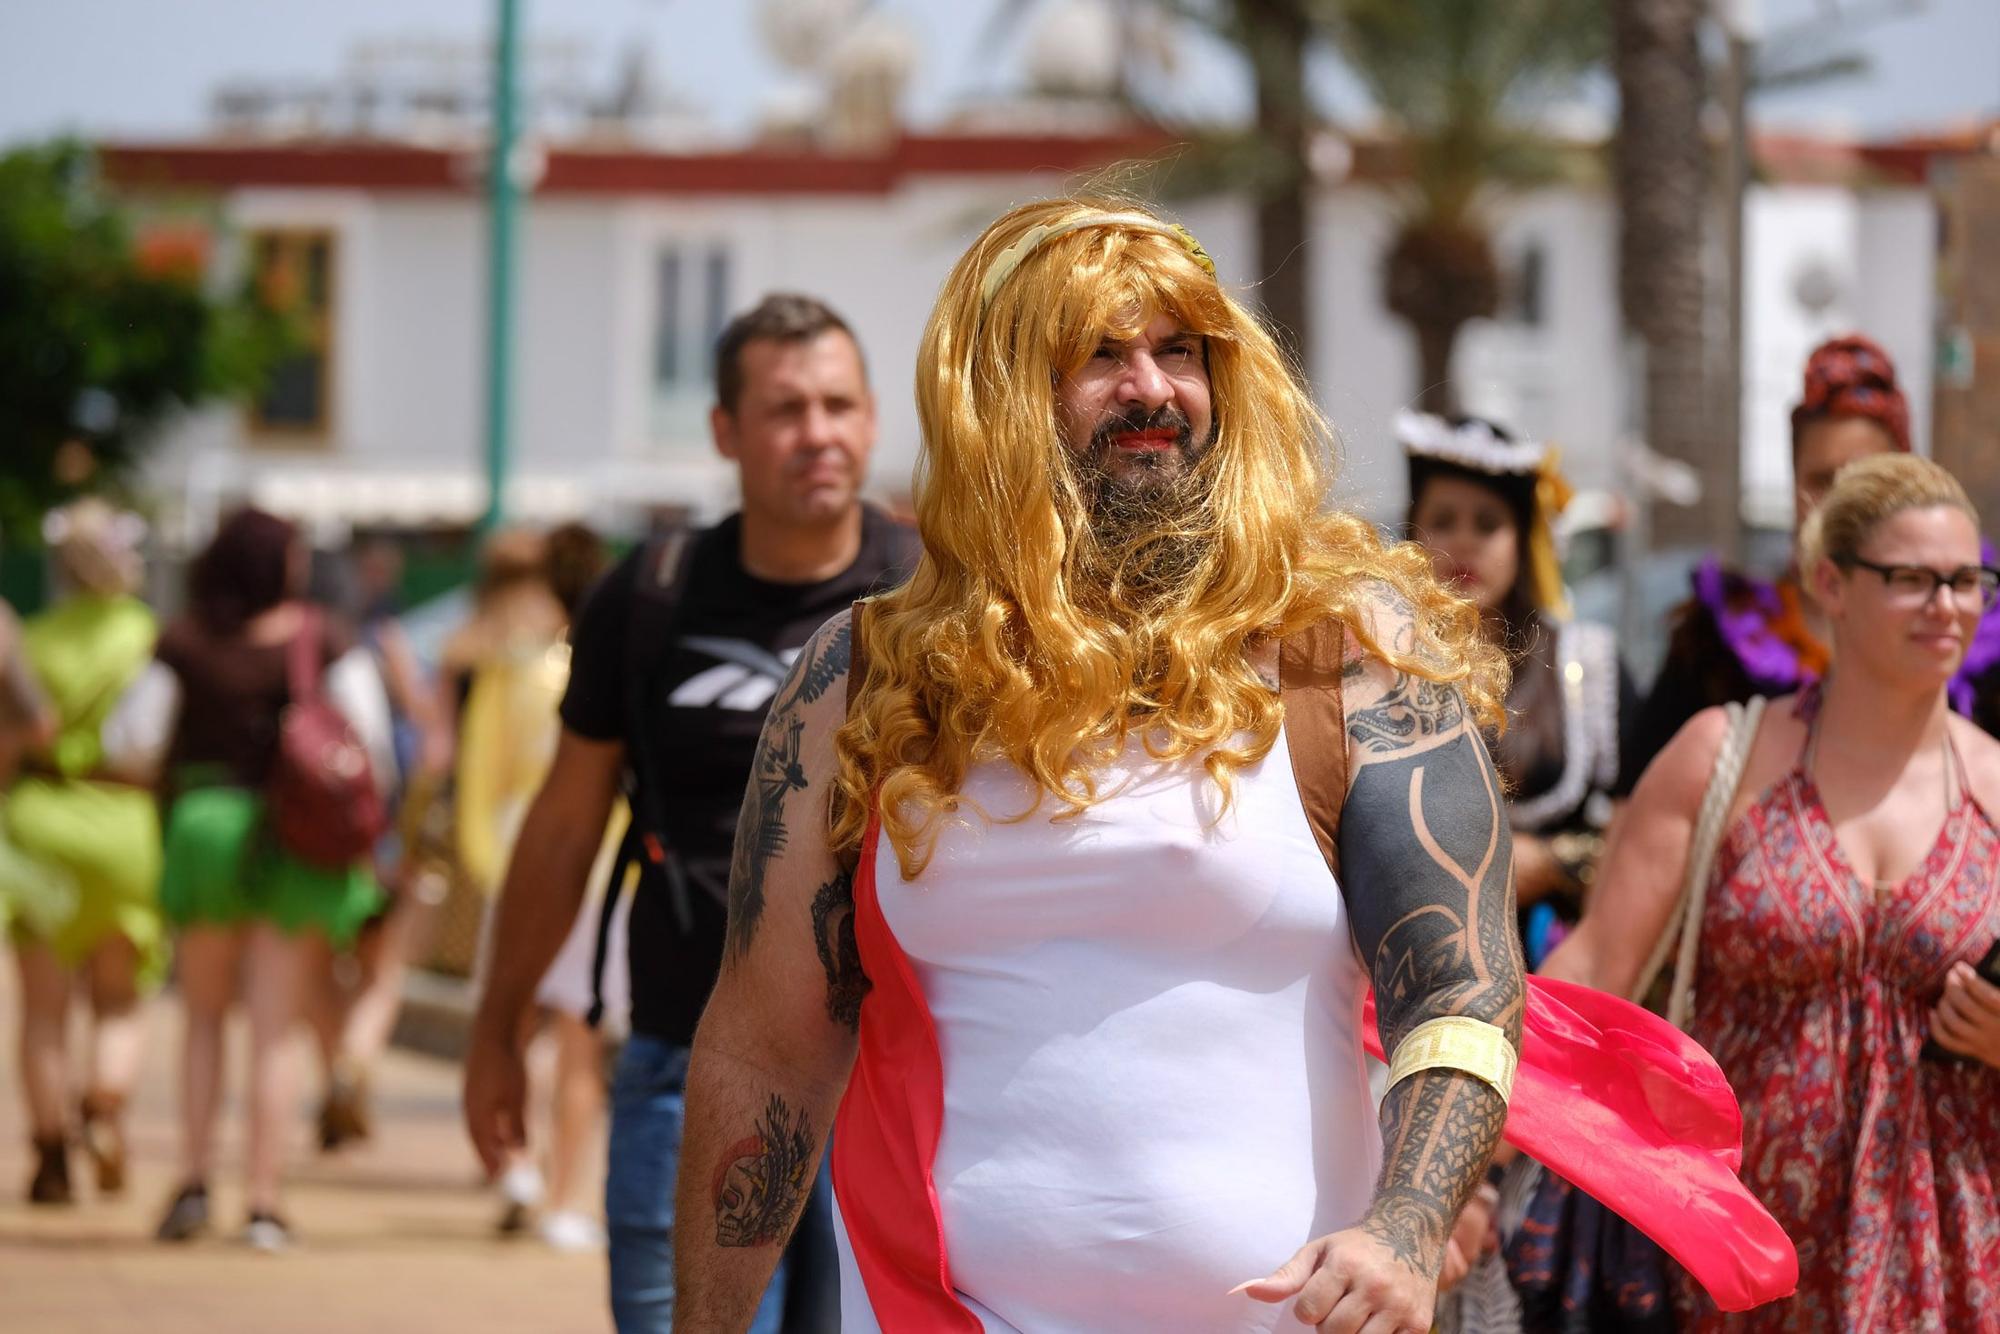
1309, 664
302, 669
1685, 921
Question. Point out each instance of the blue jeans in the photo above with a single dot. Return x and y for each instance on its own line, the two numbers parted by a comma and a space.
648, 1114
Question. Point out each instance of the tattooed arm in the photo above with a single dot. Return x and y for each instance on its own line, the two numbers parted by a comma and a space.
776, 1043
1426, 865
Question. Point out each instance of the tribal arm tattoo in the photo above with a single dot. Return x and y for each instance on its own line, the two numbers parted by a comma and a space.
777, 775
1427, 865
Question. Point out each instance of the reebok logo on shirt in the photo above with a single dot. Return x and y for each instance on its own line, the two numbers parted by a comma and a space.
745, 678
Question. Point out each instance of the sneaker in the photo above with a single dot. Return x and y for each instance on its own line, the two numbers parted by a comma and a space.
187, 1216
521, 1189
50, 1184
572, 1233
267, 1233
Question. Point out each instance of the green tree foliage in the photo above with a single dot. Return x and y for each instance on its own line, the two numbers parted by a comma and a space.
98, 342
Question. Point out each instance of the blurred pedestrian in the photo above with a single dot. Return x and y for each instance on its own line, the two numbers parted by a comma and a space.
1857, 881
1484, 503
100, 839
206, 718
1741, 637
353, 1007
677, 655
587, 1004
513, 659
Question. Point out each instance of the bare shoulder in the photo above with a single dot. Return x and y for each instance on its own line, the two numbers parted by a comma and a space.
1678, 777
1981, 754
822, 664
1391, 710
1391, 622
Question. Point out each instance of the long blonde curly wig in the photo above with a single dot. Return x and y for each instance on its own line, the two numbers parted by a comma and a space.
1021, 636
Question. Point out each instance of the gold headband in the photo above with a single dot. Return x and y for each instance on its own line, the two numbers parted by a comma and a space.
1010, 259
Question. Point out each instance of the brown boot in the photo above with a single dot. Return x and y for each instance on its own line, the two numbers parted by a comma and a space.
51, 1180
344, 1116
104, 1137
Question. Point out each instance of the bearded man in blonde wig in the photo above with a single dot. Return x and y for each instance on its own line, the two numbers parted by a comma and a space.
1067, 866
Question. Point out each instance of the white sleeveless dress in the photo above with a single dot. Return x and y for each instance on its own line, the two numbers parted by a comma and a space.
1148, 1026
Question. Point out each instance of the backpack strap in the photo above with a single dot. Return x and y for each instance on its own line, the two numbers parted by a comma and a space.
302, 669
659, 578
1309, 668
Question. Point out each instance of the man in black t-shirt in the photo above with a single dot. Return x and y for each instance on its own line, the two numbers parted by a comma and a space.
676, 656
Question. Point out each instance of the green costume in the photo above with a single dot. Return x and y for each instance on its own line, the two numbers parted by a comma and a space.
101, 840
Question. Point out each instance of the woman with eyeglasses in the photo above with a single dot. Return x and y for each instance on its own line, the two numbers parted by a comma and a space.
1740, 636
1856, 885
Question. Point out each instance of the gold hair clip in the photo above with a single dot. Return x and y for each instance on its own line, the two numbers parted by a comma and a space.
1186, 238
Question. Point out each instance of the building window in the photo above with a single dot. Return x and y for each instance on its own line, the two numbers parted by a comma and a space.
294, 275
1526, 288
691, 291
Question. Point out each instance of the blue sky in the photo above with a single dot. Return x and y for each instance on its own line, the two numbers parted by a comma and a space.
144, 68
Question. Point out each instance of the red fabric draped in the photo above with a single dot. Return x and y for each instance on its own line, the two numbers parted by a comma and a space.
886, 1134
1635, 1113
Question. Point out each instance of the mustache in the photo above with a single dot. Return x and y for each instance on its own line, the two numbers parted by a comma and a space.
1166, 417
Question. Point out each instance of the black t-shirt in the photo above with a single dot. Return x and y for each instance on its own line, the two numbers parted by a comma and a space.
731, 639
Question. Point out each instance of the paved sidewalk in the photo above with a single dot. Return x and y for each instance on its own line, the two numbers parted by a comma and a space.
394, 1236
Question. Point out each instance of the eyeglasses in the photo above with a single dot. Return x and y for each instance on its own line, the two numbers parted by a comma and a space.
1918, 584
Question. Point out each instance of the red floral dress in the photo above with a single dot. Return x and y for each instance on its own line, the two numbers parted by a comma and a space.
1814, 995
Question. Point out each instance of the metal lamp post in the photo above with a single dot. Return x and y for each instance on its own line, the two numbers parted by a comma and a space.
503, 207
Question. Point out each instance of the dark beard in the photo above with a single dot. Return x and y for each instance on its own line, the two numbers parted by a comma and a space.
1148, 512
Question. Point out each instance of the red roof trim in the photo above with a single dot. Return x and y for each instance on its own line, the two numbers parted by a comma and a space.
216, 166
394, 167
403, 167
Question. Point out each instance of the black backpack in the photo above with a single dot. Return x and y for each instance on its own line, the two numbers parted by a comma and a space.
659, 582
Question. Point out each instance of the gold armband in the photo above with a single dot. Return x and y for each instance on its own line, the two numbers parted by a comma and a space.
1457, 1043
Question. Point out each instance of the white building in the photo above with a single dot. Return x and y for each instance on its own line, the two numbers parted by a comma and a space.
630, 261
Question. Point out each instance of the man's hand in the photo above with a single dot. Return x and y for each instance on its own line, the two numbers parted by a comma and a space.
496, 1095
1967, 1017
546, 879
1349, 1282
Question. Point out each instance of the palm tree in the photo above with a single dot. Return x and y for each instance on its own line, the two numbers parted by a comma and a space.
1459, 80
1269, 163
1662, 174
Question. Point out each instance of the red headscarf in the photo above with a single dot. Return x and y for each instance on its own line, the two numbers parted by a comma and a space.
1853, 377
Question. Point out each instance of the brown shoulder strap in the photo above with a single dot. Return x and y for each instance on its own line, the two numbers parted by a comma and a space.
857, 650
1309, 665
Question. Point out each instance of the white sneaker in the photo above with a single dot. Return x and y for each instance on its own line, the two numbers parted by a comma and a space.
521, 1184
572, 1233
267, 1233
520, 1192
